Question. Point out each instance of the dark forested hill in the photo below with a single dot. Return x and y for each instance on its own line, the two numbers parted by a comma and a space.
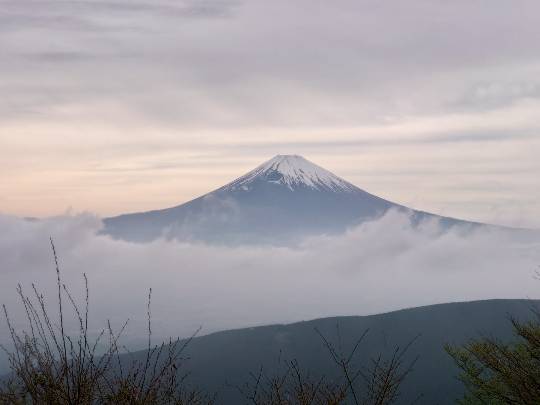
219, 361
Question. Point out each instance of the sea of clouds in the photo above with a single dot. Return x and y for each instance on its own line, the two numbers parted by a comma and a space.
379, 266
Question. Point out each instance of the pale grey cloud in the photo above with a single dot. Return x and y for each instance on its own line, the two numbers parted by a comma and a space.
92, 87
490, 95
344, 61
382, 265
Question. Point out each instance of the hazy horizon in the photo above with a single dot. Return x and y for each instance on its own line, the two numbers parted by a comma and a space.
516, 222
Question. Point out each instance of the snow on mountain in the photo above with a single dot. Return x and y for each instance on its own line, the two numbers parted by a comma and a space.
279, 202
294, 172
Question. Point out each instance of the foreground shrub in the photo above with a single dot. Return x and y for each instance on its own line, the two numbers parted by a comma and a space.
496, 373
378, 383
51, 367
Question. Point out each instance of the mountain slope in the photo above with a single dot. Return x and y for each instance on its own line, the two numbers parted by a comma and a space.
219, 361
281, 201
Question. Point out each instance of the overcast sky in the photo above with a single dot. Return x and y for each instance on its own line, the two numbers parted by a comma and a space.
116, 106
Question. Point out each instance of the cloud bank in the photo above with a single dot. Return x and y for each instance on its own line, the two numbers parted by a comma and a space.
379, 266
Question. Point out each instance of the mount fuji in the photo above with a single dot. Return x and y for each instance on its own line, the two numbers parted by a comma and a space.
279, 202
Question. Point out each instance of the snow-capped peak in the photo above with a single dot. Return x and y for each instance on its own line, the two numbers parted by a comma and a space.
294, 172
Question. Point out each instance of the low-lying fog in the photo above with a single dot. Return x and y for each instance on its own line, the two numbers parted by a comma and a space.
379, 266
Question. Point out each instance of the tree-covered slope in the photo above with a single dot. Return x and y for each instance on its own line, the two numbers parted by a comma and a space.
220, 361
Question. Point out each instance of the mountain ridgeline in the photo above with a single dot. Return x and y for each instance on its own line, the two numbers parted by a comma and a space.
280, 202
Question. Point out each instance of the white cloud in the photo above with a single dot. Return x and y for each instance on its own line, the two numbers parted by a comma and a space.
379, 266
